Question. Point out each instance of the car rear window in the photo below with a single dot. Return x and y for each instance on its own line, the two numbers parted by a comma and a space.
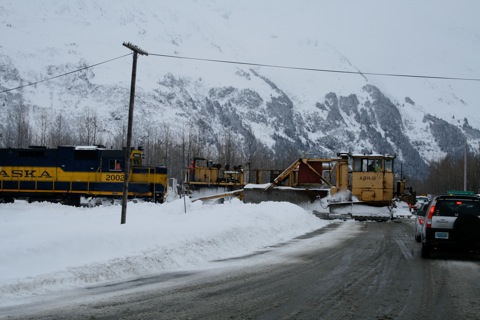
456, 207
422, 212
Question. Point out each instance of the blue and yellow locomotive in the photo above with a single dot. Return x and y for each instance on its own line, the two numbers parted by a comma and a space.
67, 173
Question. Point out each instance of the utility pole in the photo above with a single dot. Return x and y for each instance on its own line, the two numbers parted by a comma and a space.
136, 50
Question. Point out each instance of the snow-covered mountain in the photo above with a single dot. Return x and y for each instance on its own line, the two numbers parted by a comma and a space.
315, 111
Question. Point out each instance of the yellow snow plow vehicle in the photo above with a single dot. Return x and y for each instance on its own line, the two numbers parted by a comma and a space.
355, 186
372, 189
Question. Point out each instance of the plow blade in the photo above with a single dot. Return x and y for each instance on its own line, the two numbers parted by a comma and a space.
229, 194
294, 195
361, 211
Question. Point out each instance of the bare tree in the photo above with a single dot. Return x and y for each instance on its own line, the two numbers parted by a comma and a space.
43, 124
147, 140
164, 142
228, 148
60, 132
88, 127
119, 137
448, 174
18, 130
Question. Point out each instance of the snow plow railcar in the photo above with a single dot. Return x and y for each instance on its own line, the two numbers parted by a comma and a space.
355, 186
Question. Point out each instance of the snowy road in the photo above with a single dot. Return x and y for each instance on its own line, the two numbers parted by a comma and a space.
373, 271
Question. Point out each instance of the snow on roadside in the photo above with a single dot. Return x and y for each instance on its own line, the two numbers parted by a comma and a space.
48, 247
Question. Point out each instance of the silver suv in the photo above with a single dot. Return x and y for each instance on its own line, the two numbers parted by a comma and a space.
451, 222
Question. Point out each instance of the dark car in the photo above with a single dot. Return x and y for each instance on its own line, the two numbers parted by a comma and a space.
451, 223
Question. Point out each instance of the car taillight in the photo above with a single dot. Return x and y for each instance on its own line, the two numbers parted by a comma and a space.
429, 217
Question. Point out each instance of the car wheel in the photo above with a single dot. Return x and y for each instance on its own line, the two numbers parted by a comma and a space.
467, 228
426, 251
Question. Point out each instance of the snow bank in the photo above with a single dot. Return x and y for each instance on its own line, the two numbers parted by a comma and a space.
47, 246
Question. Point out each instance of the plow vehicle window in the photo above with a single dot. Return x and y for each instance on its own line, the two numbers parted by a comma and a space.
357, 165
363, 165
389, 165
369, 165
373, 165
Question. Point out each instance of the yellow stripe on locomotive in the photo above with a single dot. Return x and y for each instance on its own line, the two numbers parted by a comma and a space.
43, 173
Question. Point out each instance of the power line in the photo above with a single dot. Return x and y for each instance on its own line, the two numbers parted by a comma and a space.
254, 65
316, 69
64, 74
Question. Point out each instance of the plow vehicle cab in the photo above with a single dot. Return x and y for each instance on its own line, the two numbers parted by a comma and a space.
372, 188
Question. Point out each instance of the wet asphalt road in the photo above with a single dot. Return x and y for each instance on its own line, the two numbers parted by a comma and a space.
373, 271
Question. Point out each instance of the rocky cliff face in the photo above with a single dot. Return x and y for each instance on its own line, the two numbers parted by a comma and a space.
362, 122
369, 124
